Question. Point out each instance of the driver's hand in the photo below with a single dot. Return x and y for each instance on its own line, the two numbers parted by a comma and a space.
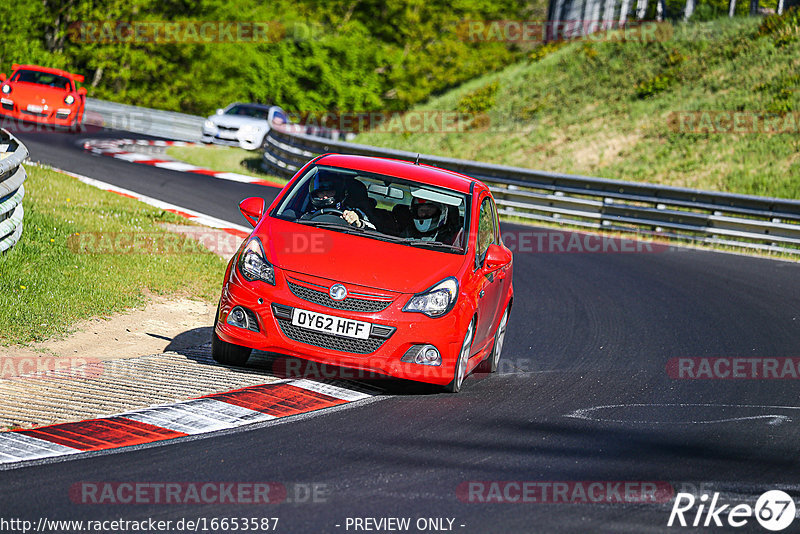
351, 217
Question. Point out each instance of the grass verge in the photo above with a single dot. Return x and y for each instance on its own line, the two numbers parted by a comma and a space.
48, 282
223, 159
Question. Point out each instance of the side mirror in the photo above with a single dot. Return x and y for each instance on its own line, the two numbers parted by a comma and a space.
252, 208
496, 257
220, 111
2, 76
82, 91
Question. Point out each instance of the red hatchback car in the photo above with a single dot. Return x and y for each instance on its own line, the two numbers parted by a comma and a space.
373, 264
42, 95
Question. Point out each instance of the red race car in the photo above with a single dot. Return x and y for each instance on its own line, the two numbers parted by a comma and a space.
42, 95
373, 264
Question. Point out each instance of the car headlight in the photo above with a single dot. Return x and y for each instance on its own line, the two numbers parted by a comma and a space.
6, 89
69, 99
249, 129
208, 125
254, 265
436, 301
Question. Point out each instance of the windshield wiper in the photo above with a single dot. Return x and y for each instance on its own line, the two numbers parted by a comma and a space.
354, 230
414, 242
320, 224
347, 229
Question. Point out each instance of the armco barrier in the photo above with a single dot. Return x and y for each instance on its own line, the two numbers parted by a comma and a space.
167, 124
12, 190
723, 218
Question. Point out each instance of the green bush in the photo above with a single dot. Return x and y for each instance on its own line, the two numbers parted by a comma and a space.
321, 56
479, 100
654, 85
783, 28
545, 49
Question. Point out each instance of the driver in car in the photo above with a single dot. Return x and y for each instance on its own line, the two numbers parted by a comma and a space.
329, 196
430, 221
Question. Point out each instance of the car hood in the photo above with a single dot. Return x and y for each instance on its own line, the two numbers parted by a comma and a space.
237, 121
355, 259
34, 94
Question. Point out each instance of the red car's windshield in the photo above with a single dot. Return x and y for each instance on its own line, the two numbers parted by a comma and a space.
394, 209
42, 78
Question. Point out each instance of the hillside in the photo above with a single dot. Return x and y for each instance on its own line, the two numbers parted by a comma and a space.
198, 55
614, 109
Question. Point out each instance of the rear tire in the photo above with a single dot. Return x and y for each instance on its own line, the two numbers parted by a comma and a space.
460, 372
228, 353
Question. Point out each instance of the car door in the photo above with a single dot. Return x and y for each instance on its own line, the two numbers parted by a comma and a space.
489, 284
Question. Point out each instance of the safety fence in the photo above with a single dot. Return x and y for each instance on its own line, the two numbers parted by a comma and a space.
581, 201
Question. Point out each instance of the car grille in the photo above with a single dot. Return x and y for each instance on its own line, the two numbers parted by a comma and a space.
348, 304
228, 128
33, 113
327, 341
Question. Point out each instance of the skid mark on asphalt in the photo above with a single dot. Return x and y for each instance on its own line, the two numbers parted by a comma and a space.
699, 413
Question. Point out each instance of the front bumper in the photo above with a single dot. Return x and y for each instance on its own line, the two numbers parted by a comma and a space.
59, 116
379, 354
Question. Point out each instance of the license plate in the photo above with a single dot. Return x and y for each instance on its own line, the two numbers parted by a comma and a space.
35, 109
330, 324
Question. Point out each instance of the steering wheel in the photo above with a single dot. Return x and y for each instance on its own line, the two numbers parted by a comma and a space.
332, 215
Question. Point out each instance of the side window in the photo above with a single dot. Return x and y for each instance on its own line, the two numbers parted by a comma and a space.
487, 231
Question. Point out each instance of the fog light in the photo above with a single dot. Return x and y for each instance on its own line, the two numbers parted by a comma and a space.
422, 355
239, 318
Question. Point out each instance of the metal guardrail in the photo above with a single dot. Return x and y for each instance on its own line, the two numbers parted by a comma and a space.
12, 190
171, 125
167, 124
723, 218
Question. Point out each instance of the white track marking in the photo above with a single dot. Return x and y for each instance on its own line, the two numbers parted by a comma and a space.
113, 148
197, 416
236, 177
133, 157
330, 390
15, 447
175, 166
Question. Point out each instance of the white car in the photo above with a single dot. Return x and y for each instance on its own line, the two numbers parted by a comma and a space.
244, 125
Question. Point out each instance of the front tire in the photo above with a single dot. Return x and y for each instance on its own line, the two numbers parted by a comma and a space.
491, 364
460, 372
228, 353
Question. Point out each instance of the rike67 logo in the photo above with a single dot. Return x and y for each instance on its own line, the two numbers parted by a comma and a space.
774, 510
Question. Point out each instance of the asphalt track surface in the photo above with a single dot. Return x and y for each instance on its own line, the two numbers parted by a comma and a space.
583, 395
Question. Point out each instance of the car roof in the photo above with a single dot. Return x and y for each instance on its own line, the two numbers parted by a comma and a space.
253, 105
426, 174
59, 72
